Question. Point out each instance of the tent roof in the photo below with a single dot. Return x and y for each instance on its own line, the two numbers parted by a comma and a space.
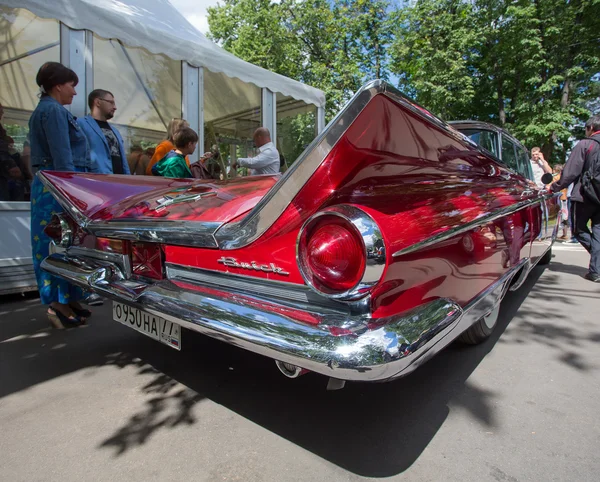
158, 27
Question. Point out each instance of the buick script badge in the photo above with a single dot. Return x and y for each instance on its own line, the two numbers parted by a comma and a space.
265, 268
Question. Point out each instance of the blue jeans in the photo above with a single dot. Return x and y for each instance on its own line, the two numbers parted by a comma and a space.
583, 213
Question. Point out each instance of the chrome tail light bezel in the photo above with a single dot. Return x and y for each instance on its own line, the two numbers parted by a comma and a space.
374, 250
66, 230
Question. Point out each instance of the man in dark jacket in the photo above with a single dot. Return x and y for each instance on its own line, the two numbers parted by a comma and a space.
583, 210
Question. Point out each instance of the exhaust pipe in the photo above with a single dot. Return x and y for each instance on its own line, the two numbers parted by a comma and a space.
289, 370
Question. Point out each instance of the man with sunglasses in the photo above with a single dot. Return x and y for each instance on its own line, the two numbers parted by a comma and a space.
106, 143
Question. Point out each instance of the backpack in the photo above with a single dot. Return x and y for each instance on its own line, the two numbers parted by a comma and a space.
590, 179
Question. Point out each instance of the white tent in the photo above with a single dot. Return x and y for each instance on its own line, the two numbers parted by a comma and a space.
158, 27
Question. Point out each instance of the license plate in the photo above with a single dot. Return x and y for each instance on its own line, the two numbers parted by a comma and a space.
153, 326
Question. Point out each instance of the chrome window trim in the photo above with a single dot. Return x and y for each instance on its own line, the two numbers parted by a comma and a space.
463, 228
369, 231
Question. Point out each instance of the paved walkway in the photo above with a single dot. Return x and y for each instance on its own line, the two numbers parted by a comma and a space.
103, 403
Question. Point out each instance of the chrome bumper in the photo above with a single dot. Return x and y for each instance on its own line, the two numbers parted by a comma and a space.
335, 344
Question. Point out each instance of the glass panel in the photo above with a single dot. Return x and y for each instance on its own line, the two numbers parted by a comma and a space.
509, 156
524, 163
486, 139
232, 112
26, 43
296, 127
147, 87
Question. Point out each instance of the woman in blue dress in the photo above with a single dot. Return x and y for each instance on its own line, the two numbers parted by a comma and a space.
57, 144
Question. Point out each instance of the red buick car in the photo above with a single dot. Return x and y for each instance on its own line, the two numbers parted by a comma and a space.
392, 235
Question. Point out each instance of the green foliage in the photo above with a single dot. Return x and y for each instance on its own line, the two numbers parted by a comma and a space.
527, 65
334, 46
296, 132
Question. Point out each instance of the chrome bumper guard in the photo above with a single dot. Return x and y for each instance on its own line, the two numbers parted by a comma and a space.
335, 344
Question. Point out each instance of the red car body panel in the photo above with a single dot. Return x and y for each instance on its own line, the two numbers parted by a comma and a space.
109, 197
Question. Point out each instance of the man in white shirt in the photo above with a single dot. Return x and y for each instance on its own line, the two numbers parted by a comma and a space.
539, 166
267, 160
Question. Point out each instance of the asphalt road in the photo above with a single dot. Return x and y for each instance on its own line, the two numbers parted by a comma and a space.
104, 403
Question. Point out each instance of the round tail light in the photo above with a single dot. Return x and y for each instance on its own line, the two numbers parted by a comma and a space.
335, 252
335, 256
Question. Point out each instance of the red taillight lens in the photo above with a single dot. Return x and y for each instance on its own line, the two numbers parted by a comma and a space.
147, 260
332, 255
110, 245
335, 255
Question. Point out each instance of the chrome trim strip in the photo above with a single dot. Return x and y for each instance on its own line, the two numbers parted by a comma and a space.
369, 352
370, 233
527, 267
121, 260
254, 286
450, 233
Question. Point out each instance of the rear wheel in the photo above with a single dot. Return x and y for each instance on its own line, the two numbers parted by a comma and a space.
481, 330
546, 258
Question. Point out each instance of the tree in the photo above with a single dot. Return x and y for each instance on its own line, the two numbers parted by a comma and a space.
526, 65
433, 52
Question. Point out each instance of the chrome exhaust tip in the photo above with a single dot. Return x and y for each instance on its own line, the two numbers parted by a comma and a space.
289, 370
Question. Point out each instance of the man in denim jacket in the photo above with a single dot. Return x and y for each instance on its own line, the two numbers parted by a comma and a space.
106, 143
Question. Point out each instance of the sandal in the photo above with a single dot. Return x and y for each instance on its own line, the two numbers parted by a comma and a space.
81, 312
60, 321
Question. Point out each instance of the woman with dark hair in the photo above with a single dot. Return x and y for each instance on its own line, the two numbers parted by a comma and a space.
58, 144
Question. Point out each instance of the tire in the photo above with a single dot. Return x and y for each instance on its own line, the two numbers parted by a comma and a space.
482, 329
546, 258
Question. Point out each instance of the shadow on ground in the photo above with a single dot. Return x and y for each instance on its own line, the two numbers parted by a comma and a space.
374, 430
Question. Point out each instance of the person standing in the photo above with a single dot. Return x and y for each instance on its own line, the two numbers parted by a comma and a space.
57, 144
167, 145
584, 209
106, 143
267, 161
539, 166
9, 170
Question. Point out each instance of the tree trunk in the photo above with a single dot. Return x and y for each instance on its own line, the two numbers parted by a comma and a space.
501, 106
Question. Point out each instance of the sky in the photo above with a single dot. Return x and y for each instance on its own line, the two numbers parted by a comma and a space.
195, 11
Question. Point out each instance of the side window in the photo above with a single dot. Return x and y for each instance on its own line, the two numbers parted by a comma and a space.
509, 156
524, 164
486, 139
